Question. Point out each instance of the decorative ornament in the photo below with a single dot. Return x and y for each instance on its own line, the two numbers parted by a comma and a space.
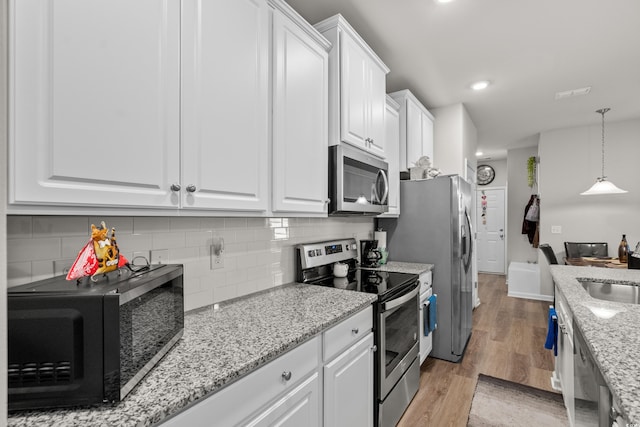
99, 256
484, 208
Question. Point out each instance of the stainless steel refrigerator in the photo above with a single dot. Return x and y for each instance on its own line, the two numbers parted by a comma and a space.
434, 227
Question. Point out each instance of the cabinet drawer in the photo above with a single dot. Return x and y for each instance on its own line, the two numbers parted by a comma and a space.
254, 391
347, 332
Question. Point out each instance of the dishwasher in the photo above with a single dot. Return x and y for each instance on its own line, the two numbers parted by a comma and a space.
593, 401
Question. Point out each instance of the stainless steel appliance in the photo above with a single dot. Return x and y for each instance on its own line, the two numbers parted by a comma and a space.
434, 227
81, 343
369, 253
358, 182
593, 402
397, 373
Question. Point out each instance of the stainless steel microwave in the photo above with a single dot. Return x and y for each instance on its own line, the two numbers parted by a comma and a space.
83, 343
358, 182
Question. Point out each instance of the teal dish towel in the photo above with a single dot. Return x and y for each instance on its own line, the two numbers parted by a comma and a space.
552, 332
433, 313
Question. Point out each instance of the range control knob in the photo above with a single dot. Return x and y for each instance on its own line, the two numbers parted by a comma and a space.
312, 253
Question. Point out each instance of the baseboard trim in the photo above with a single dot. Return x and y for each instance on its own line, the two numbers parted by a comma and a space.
538, 297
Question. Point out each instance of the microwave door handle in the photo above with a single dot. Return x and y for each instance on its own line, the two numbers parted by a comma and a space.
385, 193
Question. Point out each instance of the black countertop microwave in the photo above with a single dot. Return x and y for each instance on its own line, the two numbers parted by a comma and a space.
83, 343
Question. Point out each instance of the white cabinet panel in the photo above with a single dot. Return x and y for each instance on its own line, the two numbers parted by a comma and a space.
357, 89
416, 129
94, 102
348, 387
225, 70
392, 141
300, 119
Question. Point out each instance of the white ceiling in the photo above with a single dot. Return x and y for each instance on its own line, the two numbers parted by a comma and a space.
529, 50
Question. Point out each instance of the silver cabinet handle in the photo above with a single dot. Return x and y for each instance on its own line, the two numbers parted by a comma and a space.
286, 375
355, 330
374, 348
191, 188
175, 187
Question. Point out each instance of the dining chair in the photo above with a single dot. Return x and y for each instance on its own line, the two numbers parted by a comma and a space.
586, 249
548, 253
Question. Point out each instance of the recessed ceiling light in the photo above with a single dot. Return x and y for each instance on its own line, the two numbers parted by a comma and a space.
479, 153
483, 84
444, 1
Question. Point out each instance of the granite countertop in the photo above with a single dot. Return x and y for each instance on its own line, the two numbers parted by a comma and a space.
611, 329
402, 267
220, 344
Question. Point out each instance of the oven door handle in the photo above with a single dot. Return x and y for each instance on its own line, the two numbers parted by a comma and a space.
390, 305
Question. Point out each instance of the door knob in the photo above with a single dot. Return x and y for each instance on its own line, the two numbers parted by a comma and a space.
191, 188
175, 187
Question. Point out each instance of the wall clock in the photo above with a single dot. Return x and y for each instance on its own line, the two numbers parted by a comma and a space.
485, 174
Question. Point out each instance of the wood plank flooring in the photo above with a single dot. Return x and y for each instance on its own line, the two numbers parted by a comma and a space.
507, 341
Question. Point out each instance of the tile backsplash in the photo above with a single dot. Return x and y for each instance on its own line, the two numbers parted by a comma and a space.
258, 252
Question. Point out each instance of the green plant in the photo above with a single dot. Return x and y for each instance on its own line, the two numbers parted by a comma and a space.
531, 171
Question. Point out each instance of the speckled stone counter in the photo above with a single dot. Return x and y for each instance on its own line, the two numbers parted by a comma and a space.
403, 267
612, 330
219, 346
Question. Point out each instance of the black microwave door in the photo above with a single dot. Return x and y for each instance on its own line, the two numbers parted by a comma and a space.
55, 350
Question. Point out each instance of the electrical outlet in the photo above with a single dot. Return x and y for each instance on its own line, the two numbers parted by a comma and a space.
556, 229
62, 266
216, 250
160, 256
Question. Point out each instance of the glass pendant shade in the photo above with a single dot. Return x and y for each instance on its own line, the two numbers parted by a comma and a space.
602, 186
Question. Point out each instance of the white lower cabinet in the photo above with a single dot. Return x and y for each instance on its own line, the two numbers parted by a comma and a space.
327, 380
426, 342
564, 360
348, 386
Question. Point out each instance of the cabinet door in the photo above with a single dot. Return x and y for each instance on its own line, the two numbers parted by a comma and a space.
225, 70
392, 141
300, 120
414, 133
427, 136
377, 107
94, 102
300, 407
354, 96
348, 386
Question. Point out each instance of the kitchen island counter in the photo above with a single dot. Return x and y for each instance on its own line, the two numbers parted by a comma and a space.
221, 343
609, 328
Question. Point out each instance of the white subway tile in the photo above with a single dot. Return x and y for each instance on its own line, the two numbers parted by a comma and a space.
41, 270
235, 223
211, 223
198, 238
18, 273
168, 240
197, 300
154, 224
135, 242
19, 227
71, 246
50, 226
34, 249
224, 293
184, 223
122, 224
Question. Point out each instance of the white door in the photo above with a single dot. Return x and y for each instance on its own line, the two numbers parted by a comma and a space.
348, 387
300, 120
225, 105
491, 230
94, 101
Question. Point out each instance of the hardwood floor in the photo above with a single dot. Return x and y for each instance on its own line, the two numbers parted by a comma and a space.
507, 341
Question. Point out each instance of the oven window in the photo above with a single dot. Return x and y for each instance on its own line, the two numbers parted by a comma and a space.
147, 323
401, 332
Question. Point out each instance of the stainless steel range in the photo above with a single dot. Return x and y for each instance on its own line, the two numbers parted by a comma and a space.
397, 368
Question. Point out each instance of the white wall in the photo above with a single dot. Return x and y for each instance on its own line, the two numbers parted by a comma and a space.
454, 138
570, 161
518, 194
3, 204
259, 252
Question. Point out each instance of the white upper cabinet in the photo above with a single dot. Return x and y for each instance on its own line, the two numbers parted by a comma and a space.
225, 105
300, 114
416, 129
94, 102
392, 138
357, 88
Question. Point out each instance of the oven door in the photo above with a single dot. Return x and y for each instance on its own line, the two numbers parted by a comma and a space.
397, 338
358, 182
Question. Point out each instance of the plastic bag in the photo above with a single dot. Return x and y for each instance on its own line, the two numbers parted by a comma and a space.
100, 255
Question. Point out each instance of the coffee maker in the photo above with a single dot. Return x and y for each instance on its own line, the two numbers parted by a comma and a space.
369, 253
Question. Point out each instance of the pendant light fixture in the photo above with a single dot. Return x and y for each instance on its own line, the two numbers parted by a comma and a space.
602, 186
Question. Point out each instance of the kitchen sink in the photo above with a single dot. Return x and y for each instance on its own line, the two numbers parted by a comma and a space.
611, 291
